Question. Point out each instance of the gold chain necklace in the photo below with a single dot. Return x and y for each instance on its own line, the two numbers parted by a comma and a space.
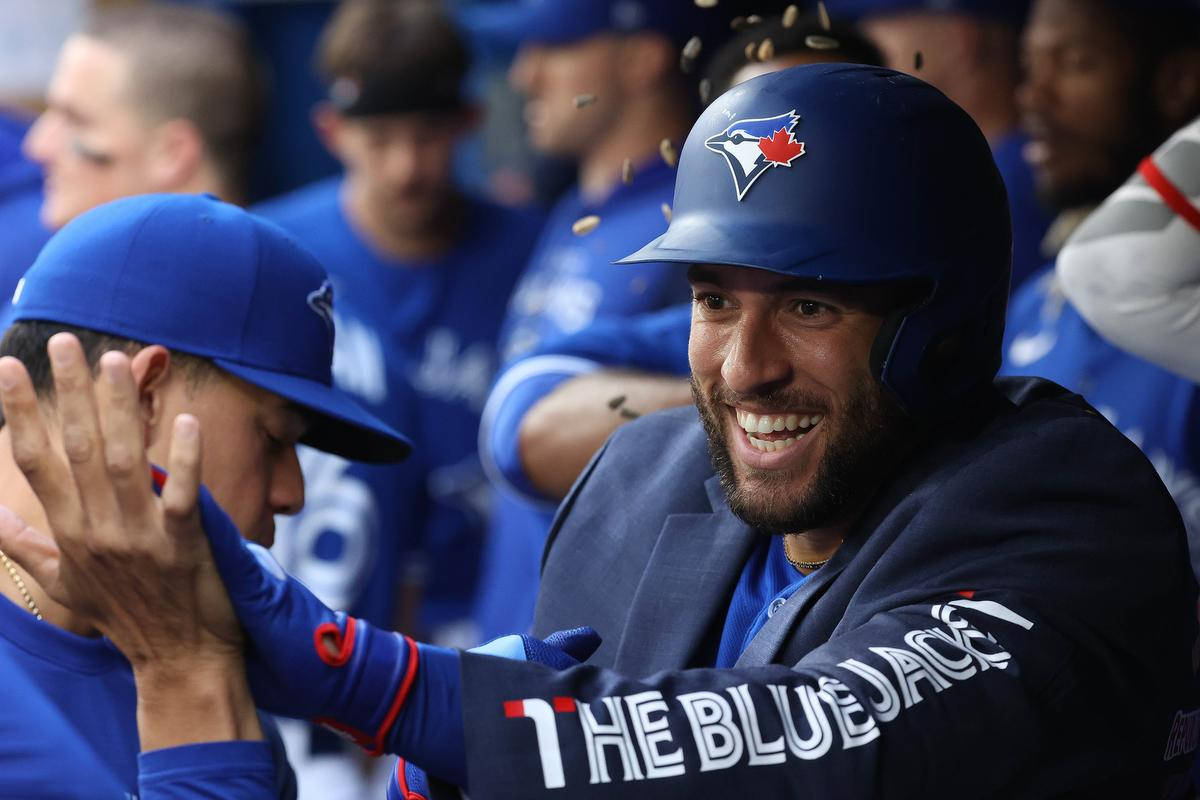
805, 565
12, 571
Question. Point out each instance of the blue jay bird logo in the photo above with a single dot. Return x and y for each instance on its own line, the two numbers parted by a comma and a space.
320, 300
752, 146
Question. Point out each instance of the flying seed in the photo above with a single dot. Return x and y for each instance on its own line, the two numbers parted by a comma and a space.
753, 19
823, 16
790, 15
815, 42
766, 50
705, 90
750, 50
706, 3
582, 100
616, 402
627, 171
737, 23
918, 61
627, 414
691, 51
668, 153
585, 225
666, 209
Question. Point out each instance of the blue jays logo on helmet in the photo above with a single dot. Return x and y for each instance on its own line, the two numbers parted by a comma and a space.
752, 146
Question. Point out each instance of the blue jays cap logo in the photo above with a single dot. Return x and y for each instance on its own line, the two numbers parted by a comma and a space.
752, 146
320, 300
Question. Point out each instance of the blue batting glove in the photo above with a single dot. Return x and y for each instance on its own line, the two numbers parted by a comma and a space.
356, 687
559, 650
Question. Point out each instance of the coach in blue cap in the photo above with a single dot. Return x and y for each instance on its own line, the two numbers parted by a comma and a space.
220, 316
861, 567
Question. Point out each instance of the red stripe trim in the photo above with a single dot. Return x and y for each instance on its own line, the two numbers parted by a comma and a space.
967, 593
402, 783
1176, 200
344, 645
158, 476
376, 745
514, 708
564, 704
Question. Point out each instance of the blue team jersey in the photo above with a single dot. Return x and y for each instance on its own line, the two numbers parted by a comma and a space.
68, 723
570, 284
1155, 408
416, 341
21, 232
1029, 219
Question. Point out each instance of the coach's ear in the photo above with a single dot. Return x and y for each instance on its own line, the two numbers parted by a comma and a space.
151, 367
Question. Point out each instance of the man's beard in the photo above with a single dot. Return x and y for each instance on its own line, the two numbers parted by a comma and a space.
863, 443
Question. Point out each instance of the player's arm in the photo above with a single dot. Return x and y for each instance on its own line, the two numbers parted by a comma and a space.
548, 413
563, 430
1133, 268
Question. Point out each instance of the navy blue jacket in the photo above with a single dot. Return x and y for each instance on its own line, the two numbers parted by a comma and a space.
1012, 616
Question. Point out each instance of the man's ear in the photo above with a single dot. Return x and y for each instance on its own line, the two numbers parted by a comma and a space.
152, 371
646, 59
176, 154
328, 124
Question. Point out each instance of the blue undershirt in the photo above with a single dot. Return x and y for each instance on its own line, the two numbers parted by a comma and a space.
766, 582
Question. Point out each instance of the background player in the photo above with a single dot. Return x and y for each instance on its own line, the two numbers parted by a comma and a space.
420, 271
147, 98
1096, 101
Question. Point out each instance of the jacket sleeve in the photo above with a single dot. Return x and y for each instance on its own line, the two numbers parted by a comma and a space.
949, 696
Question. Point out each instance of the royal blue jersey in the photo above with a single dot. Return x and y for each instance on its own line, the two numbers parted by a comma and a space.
21, 232
1155, 408
570, 284
434, 326
1029, 219
68, 723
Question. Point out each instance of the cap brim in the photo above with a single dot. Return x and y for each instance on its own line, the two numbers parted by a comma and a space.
339, 425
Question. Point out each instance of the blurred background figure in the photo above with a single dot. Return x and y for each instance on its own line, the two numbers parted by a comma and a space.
421, 272
1106, 82
969, 49
1132, 269
149, 98
551, 410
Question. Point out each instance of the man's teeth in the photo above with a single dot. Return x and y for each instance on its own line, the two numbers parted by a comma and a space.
771, 423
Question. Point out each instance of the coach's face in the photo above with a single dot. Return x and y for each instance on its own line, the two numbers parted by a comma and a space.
89, 141
797, 425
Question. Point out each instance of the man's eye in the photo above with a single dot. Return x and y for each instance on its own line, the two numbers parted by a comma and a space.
809, 308
712, 302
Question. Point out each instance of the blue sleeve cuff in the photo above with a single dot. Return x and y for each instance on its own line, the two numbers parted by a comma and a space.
517, 390
208, 771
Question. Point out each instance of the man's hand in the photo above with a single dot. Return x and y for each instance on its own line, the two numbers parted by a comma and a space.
135, 566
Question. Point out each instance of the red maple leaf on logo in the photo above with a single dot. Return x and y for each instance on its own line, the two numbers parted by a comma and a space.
781, 148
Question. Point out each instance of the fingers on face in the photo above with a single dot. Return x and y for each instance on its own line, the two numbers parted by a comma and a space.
183, 473
123, 436
82, 440
34, 550
31, 449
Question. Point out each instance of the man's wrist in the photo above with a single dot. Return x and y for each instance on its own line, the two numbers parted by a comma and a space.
197, 700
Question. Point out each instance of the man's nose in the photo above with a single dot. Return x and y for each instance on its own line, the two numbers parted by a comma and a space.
756, 359
287, 484
39, 142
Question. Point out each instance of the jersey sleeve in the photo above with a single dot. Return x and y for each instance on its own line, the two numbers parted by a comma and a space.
208, 771
1133, 268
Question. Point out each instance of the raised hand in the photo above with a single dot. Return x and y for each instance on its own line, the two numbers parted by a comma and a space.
135, 566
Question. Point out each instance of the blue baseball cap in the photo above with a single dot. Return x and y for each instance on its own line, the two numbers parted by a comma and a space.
513, 22
1012, 11
206, 278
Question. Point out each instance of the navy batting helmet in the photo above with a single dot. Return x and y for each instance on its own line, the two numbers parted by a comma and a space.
857, 175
